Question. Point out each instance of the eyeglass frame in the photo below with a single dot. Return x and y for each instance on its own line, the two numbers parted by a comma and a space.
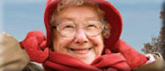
55, 26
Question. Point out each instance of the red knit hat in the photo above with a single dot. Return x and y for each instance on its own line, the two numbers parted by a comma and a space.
112, 16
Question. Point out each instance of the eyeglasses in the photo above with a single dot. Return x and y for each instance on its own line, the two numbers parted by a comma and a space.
69, 28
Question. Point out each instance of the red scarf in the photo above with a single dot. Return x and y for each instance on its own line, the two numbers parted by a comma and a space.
125, 60
108, 62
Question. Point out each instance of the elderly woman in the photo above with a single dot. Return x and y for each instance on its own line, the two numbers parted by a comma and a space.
82, 35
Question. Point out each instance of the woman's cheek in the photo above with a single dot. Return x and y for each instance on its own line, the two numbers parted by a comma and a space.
64, 42
98, 43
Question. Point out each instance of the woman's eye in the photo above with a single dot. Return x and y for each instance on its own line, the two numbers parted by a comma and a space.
91, 26
69, 26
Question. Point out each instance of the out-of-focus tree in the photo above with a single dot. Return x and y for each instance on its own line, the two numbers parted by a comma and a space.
154, 46
162, 32
157, 43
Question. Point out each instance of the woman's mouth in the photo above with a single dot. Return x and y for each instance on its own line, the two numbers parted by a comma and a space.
80, 51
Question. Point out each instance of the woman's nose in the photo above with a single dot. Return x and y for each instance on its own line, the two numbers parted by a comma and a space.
81, 37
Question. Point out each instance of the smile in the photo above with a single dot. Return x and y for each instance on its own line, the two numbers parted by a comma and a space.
80, 51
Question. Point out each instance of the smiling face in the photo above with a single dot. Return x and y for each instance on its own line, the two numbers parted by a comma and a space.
81, 46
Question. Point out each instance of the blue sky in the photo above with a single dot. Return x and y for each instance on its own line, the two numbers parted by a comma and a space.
140, 18
1, 15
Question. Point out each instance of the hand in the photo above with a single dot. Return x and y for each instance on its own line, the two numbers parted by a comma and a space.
35, 46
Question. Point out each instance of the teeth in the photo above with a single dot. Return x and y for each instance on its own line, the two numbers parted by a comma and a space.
80, 51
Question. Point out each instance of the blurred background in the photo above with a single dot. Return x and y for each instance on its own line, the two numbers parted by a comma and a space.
141, 19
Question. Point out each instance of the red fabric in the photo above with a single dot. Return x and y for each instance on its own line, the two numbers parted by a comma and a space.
134, 58
62, 62
125, 57
35, 46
